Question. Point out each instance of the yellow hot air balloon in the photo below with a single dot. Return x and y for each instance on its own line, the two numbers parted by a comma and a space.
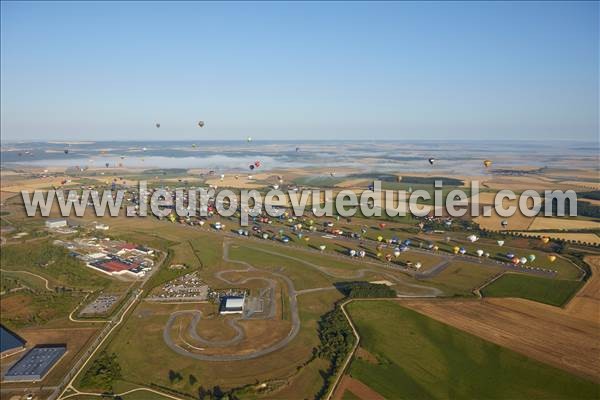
436, 248
552, 258
455, 249
545, 239
379, 238
487, 163
378, 254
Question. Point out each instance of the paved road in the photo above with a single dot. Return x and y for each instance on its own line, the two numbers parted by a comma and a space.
295, 319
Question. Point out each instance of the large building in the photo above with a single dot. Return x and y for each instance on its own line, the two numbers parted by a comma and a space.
56, 223
232, 305
10, 342
35, 364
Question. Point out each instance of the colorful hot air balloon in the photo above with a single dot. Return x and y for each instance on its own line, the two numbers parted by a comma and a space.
523, 260
352, 253
431, 161
552, 258
487, 163
382, 225
515, 260
545, 239
531, 257
462, 250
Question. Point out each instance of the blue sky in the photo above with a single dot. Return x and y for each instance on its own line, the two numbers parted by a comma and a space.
352, 70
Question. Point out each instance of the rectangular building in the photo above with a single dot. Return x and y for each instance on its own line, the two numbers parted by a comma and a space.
36, 363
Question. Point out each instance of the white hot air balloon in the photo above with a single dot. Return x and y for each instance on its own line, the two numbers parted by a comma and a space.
500, 243
523, 260
352, 253
479, 253
418, 265
322, 247
472, 238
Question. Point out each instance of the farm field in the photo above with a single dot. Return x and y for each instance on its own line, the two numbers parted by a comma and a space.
563, 224
418, 357
591, 238
555, 292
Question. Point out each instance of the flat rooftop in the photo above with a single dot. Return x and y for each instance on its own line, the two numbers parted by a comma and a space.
35, 363
9, 340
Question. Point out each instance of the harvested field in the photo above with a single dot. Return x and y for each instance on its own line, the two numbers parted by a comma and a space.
586, 304
564, 224
359, 389
545, 333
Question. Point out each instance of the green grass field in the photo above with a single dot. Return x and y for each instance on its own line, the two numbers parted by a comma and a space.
460, 278
420, 358
555, 292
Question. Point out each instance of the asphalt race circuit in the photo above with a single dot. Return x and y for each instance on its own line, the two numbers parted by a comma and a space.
295, 319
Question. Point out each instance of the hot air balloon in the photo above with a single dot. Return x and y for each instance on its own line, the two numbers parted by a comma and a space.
479, 252
545, 239
378, 254
516, 260
531, 257
265, 236
249, 139
487, 163
418, 265
352, 253
487, 255
193, 145
388, 257
106, 164
552, 258
504, 223
455, 249
297, 149
382, 225
379, 238
362, 254
431, 161
66, 151
251, 166
523, 260
472, 238
510, 256
462, 250
322, 247
222, 177
500, 243
257, 163
157, 125
201, 222
201, 124
397, 252
436, 248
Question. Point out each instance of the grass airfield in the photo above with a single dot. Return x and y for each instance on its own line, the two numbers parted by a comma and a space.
292, 369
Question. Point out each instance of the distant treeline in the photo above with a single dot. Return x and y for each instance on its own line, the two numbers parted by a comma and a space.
593, 195
425, 180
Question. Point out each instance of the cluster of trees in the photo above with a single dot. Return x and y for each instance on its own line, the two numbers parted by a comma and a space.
337, 340
588, 210
354, 290
593, 195
103, 372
